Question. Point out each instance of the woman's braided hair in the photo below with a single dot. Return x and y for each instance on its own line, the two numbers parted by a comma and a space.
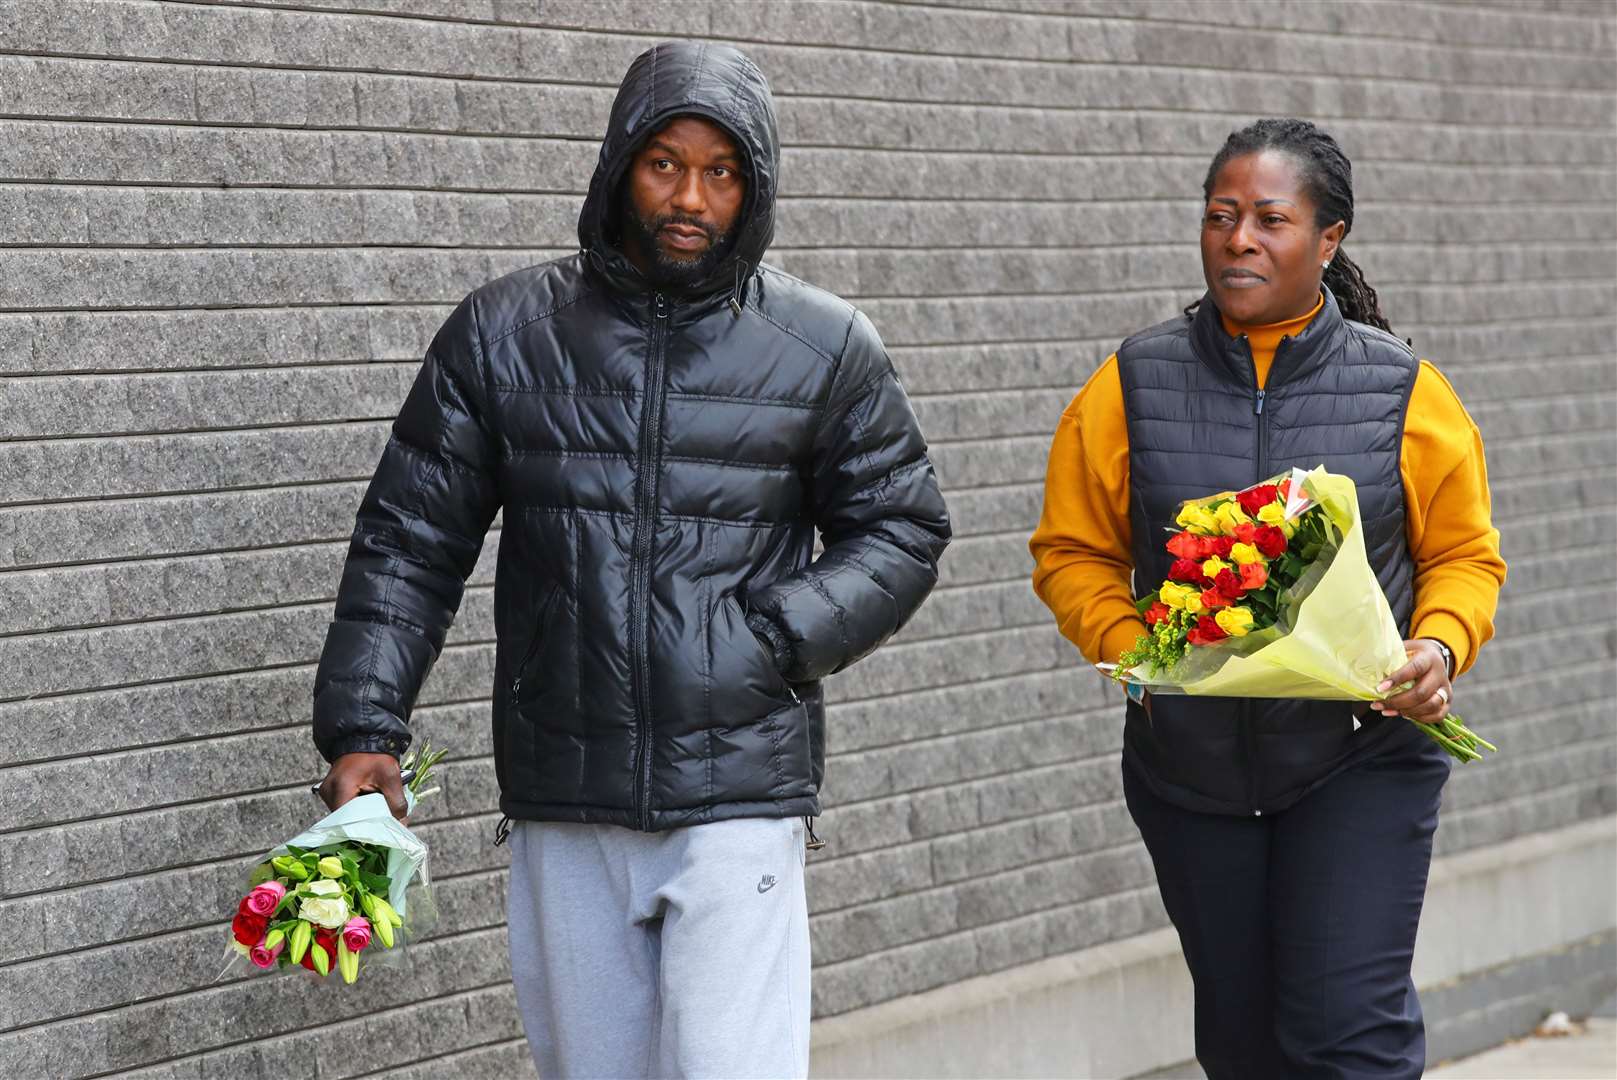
1327, 177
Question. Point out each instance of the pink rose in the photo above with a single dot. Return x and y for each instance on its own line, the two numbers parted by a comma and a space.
263, 900
356, 933
265, 958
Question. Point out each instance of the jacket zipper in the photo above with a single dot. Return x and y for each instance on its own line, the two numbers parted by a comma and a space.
639, 583
540, 620
503, 829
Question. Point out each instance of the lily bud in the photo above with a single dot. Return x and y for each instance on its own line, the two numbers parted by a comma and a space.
331, 867
274, 939
385, 910
343, 957
322, 961
302, 934
290, 867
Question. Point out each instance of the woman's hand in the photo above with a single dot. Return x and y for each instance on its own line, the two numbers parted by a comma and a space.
1431, 694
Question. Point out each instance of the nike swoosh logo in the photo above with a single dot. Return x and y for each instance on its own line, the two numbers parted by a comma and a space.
767, 883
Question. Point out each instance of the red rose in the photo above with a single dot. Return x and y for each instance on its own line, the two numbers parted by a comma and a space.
1254, 575
1270, 541
1246, 533
1227, 584
1206, 632
248, 928
1254, 499
1156, 613
1185, 570
1283, 489
1183, 545
1220, 546
1212, 598
323, 939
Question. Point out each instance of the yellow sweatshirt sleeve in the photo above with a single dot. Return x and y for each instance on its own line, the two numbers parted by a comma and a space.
1458, 569
1083, 567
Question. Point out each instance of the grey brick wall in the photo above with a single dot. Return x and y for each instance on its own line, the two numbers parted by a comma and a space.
227, 231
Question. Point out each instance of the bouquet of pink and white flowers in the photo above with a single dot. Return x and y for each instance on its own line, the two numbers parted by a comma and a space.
321, 899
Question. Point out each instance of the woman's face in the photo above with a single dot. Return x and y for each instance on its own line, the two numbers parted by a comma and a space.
1262, 255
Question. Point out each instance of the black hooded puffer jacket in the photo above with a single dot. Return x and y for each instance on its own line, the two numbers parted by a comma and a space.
663, 463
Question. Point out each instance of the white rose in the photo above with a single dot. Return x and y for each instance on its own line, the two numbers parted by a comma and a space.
331, 914
323, 904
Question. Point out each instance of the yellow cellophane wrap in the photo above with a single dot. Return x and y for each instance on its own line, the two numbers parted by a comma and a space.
1342, 639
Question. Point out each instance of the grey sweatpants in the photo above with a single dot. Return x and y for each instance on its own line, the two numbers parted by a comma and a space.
682, 953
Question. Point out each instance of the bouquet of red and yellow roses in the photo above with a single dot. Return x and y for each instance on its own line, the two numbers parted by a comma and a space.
1271, 595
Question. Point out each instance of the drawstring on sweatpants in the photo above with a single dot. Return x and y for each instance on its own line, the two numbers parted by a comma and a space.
501, 831
814, 843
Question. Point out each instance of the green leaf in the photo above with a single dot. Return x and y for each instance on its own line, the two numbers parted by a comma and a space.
376, 883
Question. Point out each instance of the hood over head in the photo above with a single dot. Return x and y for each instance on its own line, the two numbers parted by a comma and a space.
688, 78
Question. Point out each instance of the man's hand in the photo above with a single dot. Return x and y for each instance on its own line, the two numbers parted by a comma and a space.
1431, 694
353, 775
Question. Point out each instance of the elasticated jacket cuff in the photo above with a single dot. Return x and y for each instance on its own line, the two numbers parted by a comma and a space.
773, 639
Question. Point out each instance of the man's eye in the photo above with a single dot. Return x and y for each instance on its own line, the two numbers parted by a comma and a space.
662, 164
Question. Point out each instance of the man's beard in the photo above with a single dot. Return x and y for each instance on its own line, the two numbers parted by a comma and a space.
669, 271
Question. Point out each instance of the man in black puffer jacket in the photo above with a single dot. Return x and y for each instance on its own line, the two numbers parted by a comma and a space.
666, 423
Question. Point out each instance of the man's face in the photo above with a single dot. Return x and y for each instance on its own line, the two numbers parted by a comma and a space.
683, 193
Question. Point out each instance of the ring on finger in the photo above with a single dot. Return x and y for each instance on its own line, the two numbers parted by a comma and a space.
1443, 693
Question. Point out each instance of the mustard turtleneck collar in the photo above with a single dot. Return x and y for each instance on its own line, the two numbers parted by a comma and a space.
1264, 340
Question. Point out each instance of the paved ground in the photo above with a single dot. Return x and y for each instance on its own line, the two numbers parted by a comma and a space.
1591, 1055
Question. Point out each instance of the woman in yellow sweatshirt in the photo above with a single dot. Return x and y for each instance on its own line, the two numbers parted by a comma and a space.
1291, 839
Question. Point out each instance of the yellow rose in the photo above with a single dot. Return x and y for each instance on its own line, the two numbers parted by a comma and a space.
1245, 553
1234, 621
1212, 566
1173, 594
1193, 602
1275, 514
1229, 516
1196, 519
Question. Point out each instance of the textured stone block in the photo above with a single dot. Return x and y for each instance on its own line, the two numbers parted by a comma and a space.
135, 277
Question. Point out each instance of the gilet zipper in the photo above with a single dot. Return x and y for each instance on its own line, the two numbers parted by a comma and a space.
1245, 720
